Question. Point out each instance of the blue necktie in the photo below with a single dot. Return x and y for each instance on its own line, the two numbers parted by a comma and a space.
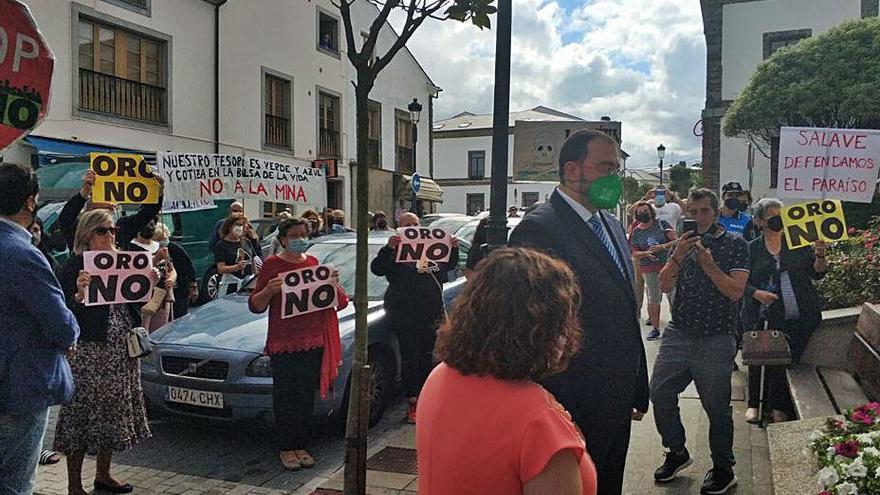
596, 225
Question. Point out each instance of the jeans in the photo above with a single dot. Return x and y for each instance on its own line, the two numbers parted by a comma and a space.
21, 440
296, 377
708, 362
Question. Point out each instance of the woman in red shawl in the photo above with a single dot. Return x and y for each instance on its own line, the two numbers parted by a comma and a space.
305, 350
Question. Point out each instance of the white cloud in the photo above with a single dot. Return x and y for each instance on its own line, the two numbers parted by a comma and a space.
639, 61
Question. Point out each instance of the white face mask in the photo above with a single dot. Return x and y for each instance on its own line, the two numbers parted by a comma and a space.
238, 230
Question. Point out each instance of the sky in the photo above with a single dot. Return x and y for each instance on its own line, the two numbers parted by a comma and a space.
641, 62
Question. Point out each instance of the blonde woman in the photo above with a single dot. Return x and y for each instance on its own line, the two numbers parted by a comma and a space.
107, 412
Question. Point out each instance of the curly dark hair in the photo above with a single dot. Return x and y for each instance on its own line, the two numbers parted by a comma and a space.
517, 319
230, 221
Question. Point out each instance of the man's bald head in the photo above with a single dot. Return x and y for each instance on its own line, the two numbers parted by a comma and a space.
408, 220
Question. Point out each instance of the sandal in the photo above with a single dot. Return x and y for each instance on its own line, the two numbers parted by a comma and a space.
305, 460
289, 460
49, 457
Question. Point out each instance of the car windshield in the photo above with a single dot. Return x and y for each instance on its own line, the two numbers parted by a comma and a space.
450, 225
341, 256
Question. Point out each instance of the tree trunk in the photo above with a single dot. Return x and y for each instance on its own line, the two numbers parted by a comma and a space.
358, 403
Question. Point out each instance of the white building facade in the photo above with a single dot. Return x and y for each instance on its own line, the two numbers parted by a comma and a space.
740, 34
139, 75
463, 159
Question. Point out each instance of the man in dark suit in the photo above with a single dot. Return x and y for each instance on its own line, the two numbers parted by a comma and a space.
606, 386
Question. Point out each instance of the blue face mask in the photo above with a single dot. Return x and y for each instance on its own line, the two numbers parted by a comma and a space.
297, 246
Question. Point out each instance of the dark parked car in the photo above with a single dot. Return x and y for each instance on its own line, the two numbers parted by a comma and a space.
210, 363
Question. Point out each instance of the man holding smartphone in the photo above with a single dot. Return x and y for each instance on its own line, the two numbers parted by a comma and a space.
709, 269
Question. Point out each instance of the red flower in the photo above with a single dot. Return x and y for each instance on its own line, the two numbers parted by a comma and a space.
862, 417
824, 492
850, 449
873, 406
851, 230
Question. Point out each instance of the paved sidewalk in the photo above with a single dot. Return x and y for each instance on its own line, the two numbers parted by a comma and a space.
197, 458
645, 453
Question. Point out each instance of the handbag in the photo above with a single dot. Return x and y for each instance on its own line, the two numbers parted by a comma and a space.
765, 348
139, 344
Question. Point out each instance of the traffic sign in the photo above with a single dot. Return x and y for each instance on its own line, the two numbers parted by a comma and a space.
416, 183
26, 65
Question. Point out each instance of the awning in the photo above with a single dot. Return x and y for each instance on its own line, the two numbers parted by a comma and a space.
429, 190
50, 150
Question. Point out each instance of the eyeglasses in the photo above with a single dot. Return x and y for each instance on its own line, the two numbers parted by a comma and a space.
106, 230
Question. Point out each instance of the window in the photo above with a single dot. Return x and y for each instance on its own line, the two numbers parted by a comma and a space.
121, 73
774, 162
780, 39
475, 203
271, 210
403, 140
374, 145
328, 33
277, 110
529, 198
476, 165
328, 125
139, 6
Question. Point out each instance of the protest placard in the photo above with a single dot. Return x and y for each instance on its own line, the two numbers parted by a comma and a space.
805, 223
184, 206
118, 277
423, 244
201, 177
123, 179
828, 163
307, 290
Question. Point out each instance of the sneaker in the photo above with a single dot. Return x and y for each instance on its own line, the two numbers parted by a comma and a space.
676, 462
752, 415
411, 413
654, 334
718, 481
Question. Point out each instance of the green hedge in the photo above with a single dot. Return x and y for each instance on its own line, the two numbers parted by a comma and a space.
853, 274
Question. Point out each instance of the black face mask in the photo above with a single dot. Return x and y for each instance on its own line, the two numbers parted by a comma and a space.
732, 204
775, 223
643, 217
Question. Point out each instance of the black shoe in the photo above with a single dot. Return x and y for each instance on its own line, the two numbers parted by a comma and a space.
124, 488
676, 461
718, 481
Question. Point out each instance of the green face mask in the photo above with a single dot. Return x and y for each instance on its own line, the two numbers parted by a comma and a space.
605, 192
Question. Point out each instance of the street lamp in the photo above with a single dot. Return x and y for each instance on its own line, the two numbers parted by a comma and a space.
661, 153
415, 110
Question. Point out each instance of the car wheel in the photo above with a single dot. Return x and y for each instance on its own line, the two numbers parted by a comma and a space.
210, 286
382, 381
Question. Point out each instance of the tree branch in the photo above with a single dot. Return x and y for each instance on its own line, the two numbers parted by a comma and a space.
409, 28
345, 11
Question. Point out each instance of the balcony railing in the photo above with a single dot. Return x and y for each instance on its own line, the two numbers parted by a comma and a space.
404, 160
110, 95
373, 153
328, 143
277, 131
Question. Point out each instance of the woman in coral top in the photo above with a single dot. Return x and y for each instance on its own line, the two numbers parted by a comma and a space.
484, 424
305, 350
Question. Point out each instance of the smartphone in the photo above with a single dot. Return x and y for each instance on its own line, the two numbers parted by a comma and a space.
689, 226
